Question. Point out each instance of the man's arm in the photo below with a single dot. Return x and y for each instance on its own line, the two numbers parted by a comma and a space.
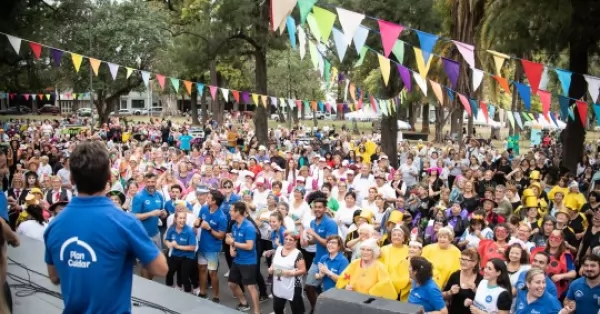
53, 275
10, 236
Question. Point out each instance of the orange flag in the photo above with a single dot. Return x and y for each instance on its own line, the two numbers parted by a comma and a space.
95, 64
503, 83
188, 86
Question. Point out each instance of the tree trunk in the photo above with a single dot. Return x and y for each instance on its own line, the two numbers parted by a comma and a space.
194, 106
204, 107
425, 118
261, 125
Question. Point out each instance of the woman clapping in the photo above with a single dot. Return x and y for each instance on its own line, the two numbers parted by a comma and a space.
287, 269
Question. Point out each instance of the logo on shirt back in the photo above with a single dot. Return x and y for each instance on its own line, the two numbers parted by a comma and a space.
80, 255
578, 294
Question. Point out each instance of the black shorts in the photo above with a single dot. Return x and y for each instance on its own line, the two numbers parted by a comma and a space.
243, 274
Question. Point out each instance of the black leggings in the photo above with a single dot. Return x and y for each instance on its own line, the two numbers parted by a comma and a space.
297, 304
181, 265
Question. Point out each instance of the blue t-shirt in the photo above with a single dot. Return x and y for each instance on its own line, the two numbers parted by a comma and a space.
170, 206
226, 205
185, 142
427, 295
546, 304
550, 286
142, 203
187, 236
218, 222
327, 227
92, 239
3, 207
587, 299
242, 233
277, 235
336, 265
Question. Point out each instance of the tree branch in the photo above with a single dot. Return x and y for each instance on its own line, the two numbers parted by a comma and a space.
248, 39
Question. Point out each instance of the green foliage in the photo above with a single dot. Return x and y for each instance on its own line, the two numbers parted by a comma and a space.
288, 76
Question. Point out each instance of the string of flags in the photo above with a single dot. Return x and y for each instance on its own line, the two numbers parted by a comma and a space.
320, 22
42, 96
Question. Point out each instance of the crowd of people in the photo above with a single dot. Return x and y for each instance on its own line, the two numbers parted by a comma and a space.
454, 227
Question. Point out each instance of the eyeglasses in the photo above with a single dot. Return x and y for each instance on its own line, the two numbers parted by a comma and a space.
466, 260
227, 186
333, 242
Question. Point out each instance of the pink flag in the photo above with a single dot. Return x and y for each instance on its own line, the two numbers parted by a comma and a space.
161, 80
389, 34
467, 51
465, 102
213, 91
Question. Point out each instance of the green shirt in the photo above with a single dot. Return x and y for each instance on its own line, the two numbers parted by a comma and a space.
333, 204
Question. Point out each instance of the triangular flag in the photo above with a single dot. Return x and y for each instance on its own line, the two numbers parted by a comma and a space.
405, 76
384, 66
362, 55
437, 91
597, 113
374, 104
534, 72
225, 93
282, 103
15, 42
255, 99
571, 113
314, 54
452, 69
477, 78
341, 45
213, 91
145, 77
593, 86
200, 88
427, 41
302, 42
582, 110
465, 103
129, 71
546, 100
274, 101
36, 49
76, 61
525, 116
305, 7
525, 93
484, 110
41, 96
161, 80
498, 60
503, 83
450, 93
360, 37
188, 87
263, 99
421, 82
236, 96
95, 64
280, 9
564, 77
114, 70
245, 97
313, 26
175, 83
474, 107
47, 96
291, 26
291, 103
545, 79
398, 50
518, 119
26, 96
492, 110
325, 19
389, 34
564, 106
511, 118
56, 56
421, 65
467, 51
350, 21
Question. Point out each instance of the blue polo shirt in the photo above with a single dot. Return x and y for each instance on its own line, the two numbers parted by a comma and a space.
217, 222
550, 286
427, 295
336, 265
242, 233
277, 235
586, 299
546, 304
142, 203
226, 205
170, 206
327, 227
92, 239
187, 236
3, 207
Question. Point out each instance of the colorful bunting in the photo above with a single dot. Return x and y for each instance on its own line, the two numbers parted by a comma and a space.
341, 44
498, 60
465, 103
362, 55
225, 93
15, 42
503, 83
114, 70
175, 84
129, 71
95, 64
245, 97
525, 93
188, 87
421, 82
484, 109
571, 113
511, 118
534, 72
161, 81
398, 50
564, 106
452, 69
146, 77
280, 9
305, 7
467, 51
314, 54
350, 21
389, 34
200, 88
313, 26
582, 110
325, 19
255, 99
302, 42
423, 68
597, 113
405, 75
384, 65
26, 96
545, 79
56, 56
213, 92
474, 107
273, 100
360, 38
47, 96
236, 96
437, 91
477, 77
263, 99
593, 87
291, 26
564, 77
546, 100
36, 49
427, 41
518, 119
76, 61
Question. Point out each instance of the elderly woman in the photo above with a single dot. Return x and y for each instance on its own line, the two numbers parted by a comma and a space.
367, 275
444, 256
365, 232
424, 291
394, 258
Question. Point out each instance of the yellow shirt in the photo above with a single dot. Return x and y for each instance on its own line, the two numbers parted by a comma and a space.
445, 262
374, 280
396, 263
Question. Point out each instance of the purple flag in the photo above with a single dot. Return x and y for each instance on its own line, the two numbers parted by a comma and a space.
56, 56
245, 97
452, 69
345, 108
340, 77
405, 75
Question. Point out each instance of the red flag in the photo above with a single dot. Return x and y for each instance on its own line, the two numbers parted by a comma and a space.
373, 103
236, 95
484, 109
545, 99
11, 95
582, 109
465, 102
533, 71
389, 34
503, 83
36, 48
161, 80
340, 106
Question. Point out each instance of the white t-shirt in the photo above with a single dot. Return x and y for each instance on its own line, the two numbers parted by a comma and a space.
32, 229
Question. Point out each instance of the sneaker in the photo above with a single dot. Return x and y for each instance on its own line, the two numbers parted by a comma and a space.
216, 300
243, 307
263, 298
203, 296
196, 291
226, 275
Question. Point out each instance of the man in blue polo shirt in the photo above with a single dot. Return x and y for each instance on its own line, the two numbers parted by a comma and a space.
148, 206
584, 292
92, 245
540, 261
320, 228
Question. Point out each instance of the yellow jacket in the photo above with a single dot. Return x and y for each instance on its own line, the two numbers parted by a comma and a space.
396, 263
445, 262
374, 281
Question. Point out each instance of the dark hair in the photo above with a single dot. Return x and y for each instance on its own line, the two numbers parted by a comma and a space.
524, 254
339, 241
326, 185
276, 183
545, 254
592, 258
423, 269
36, 212
503, 280
177, 186
350, 193
217, 196
240, 207
90, 167
316, 195
595, 194
149, 175
277, 215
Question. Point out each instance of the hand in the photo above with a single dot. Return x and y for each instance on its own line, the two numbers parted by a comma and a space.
349, 288
164, 214
205, 225
323, 268
579, 235
570, 306
477, 233
556, 278
473, 309
310, 232
229, 240
156, 213
454, 289
271, 270
174, 245
303, 243
468, 302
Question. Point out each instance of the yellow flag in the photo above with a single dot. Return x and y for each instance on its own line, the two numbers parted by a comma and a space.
437, 90
282, 103
47, 96
264, 100
423, 68
76, 61
384, 65
255, 99
334, 75
95, 64
129, 71
498, 59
